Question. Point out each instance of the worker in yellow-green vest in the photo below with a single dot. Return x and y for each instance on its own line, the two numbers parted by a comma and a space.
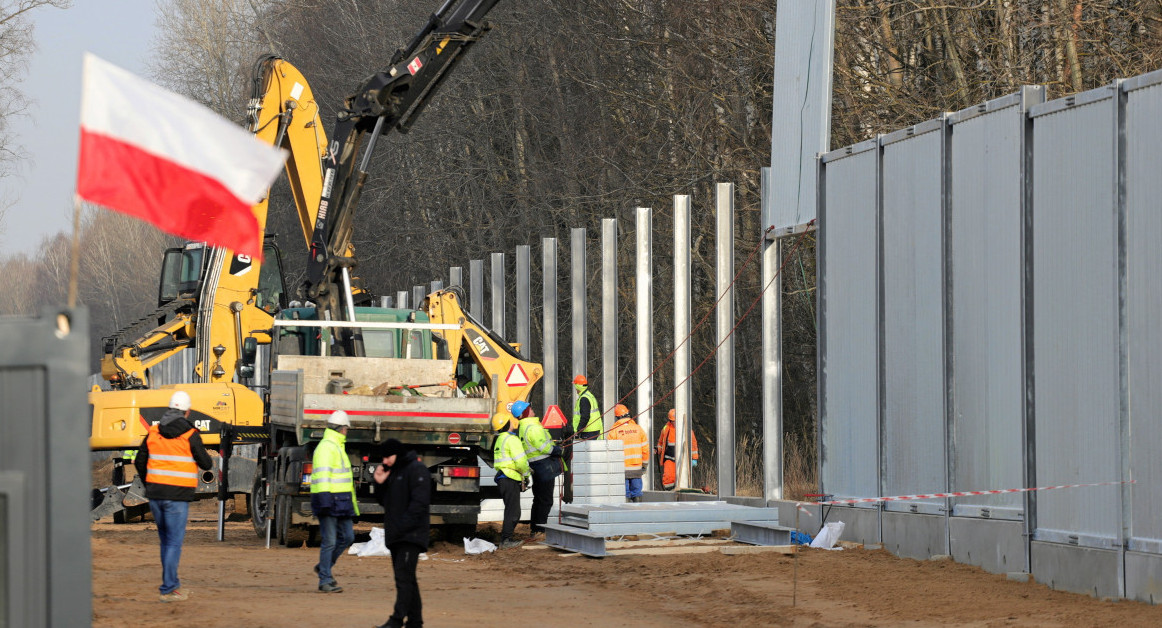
512, 472
333, 498
544, 458
586, 413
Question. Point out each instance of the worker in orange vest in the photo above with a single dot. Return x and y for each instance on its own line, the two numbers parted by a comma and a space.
637, 450
668, 458
169, 459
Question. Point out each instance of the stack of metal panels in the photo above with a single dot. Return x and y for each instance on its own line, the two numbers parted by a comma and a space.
676, 517
599, 472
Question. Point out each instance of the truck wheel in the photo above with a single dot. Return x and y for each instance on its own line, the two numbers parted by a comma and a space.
259, 505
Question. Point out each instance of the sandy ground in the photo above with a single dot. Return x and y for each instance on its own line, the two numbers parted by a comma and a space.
241, 583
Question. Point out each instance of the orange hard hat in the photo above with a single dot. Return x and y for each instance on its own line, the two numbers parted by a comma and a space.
581, 379
620, 410
671, 414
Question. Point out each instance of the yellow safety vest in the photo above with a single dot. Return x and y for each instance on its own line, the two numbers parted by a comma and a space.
594, 424
508, 457
537, 442
331, 468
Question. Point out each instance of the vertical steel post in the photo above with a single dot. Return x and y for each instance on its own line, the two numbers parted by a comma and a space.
682, 316
772, 360
609, 392
578, 319
497, 282
418, 294
549, 324
476, 290
385, 302
645, 331
524, 309
401, 298
724, 359
456, 277
437, 285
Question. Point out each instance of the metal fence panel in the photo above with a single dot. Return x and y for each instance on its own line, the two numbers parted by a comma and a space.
44, 469
848, 354
913, 314
1143, 305
1075, 318
985, 267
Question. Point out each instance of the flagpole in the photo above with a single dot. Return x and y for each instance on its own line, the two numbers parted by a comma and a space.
74, 262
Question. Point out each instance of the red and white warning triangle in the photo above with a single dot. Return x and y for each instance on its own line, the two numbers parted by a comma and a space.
516, 376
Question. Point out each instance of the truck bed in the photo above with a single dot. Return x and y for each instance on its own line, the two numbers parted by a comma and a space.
436, 420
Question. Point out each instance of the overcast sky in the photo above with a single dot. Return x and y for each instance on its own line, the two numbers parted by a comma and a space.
119, 31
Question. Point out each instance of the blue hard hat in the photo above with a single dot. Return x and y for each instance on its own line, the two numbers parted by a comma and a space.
518, 407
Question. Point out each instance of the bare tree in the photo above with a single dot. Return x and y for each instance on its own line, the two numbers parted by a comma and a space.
17, 43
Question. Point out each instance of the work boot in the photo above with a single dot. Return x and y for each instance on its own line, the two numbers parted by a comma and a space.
390, 623
327, 587
509, 544
177, 595
332, 581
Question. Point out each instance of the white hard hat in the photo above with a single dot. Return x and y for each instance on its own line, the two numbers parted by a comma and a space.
339, 418
180, 401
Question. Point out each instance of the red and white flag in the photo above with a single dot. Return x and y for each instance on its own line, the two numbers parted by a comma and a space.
168, 160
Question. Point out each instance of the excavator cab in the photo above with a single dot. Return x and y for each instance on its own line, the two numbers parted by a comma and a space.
182, 269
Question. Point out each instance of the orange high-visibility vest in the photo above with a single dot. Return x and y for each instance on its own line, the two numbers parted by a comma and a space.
634, 439
171, 461
668, 455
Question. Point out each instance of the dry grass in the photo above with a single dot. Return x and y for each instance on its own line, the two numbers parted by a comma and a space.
800, 475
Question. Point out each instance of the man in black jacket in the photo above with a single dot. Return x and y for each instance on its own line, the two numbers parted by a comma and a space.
404, 488
168, 460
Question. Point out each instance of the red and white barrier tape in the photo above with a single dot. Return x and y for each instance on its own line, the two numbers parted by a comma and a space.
902, 498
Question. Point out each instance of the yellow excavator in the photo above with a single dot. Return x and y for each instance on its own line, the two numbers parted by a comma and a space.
225, 307
213, 301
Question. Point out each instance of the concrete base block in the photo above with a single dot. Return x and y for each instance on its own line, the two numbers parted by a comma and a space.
1076, 569
861, 525
995, 545
1144, 577
914, 535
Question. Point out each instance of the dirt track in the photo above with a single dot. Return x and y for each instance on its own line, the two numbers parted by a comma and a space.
240, 583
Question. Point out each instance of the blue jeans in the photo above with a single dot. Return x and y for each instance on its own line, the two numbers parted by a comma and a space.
633, 488
337, 534
170, 517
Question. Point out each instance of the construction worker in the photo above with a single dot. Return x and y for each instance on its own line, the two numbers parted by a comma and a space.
668, 458
512, 472
169, 459
333, 498
544, 460
586, 413
404, 489
637, 450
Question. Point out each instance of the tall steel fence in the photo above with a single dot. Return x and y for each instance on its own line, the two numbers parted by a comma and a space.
989, 299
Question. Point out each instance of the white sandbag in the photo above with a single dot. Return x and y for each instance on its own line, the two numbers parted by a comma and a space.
374, 547
478, 546
829, 535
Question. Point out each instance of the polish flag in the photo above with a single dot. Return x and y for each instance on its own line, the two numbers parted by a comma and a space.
168, 160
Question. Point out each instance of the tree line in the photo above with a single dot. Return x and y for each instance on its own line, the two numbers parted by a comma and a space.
571, 111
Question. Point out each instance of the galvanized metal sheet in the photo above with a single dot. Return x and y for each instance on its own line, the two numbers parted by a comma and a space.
985, 267
801, 110
1075, 317
913, 322
1143, 305
848, 354
44, 468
